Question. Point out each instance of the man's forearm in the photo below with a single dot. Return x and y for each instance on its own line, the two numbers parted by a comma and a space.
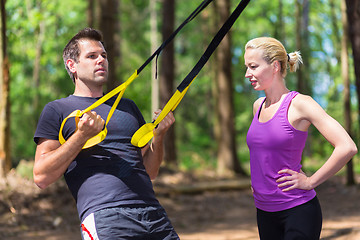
153, 157
52, 159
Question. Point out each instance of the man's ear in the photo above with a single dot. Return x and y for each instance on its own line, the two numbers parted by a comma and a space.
70, 63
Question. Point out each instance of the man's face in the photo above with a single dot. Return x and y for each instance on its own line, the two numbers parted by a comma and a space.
92, 66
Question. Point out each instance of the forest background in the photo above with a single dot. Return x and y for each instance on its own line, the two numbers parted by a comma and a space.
213, 118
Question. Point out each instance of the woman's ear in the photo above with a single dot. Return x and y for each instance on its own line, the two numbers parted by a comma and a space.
277, 67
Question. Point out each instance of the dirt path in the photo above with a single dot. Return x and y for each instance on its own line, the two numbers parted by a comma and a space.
231, 215
210, 215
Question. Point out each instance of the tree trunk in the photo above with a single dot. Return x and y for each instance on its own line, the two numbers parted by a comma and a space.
350, 178
154, 45
5, 160
302, 40
109, 23
279, 25
214, 21
335, 28
37, 65
167, 76
228, 163
90, 13
353, 16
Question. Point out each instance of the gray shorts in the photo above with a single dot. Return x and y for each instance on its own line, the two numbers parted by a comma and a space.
128, 223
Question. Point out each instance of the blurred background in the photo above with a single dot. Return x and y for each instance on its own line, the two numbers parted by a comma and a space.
209, 136
213, 118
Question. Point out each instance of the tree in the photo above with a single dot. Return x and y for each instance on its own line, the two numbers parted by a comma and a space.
302, 44
109, 25
5, 160
228, 162
334, 22
90, 13
40, 38
302, 40
103, 15
279, 29
167, 76
353, 16
350, 13
154, 45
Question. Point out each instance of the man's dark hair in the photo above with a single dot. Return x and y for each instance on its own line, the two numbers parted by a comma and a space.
72, 49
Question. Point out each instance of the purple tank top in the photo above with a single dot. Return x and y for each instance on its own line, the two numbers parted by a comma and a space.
275, 145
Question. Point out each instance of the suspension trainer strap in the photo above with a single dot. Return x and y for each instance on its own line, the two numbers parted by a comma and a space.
77, 114
201, 7
144, 134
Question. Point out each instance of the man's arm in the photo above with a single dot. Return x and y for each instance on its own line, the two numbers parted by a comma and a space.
153, 153
52, 159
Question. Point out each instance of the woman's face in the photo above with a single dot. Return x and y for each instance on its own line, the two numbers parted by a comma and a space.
258, 71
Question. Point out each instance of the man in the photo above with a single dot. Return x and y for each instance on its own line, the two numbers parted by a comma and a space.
111, 181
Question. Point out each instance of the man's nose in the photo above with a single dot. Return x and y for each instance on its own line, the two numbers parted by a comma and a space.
101, 59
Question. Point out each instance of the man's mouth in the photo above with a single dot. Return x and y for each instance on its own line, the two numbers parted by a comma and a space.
103, 70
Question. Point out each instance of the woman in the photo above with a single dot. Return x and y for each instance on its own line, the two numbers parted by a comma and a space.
287, 206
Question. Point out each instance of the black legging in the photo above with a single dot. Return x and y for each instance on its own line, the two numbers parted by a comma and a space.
299, 223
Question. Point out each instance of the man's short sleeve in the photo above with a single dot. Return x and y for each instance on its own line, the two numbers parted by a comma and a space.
48, 125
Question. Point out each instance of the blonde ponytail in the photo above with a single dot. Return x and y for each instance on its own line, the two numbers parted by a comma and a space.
294, 60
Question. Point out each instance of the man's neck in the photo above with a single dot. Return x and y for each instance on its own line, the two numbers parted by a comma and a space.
88, 91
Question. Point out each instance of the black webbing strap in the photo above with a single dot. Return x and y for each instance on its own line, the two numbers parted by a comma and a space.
213, 45
77, 114
203, 5
144, 134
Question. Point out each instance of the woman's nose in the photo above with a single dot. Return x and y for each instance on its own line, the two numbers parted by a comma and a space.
247, 73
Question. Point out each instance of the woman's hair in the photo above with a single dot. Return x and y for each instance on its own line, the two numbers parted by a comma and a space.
72, 49
273, 50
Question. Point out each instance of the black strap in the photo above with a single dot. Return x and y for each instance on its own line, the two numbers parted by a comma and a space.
201, 7
213, 45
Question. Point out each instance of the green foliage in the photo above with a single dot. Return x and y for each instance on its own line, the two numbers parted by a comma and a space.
193, 157
25, 169
49, 24
35, 27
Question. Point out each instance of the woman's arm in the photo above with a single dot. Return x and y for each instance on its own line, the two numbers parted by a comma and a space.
308, 111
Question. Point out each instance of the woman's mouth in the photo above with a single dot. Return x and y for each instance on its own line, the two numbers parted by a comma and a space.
253, 82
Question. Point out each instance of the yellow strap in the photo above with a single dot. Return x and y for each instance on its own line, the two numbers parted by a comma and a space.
146, 132
78, 114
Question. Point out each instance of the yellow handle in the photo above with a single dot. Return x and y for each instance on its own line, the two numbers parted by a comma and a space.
89, 143
78, 114
146, 132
